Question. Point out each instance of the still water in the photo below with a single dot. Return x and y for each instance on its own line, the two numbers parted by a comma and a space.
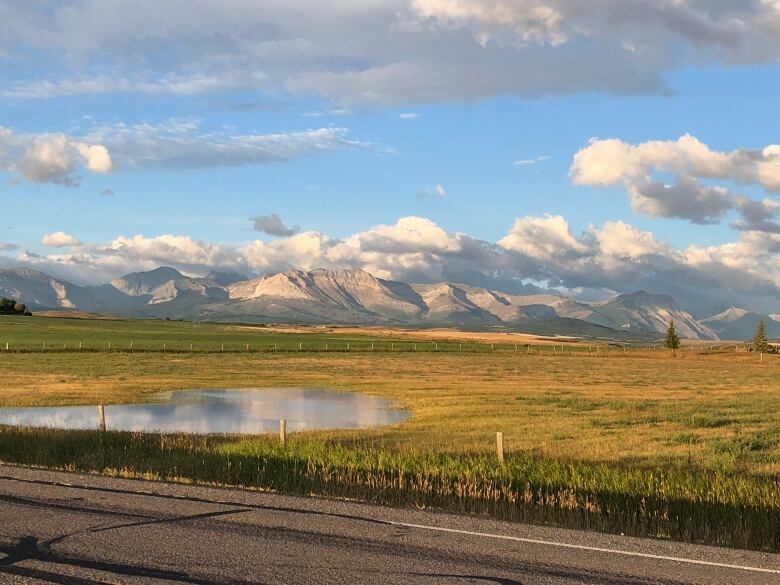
251, 410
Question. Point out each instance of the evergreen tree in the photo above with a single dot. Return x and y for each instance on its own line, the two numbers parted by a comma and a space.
760, 342
672, 340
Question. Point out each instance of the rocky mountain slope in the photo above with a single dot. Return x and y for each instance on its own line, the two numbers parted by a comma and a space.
349, 296
738, 323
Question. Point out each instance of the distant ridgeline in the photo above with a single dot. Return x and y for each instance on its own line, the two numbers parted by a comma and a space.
12, 307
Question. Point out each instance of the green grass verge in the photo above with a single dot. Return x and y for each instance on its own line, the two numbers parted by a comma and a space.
692, 505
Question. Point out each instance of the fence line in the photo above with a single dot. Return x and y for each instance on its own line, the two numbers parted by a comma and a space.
374, 346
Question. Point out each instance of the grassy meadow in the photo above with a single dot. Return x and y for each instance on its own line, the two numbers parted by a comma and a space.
623, 440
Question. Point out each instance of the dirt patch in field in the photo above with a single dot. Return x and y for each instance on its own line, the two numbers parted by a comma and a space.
75, 315
438, 334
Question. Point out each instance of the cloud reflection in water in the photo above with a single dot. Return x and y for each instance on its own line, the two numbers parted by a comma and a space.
247, 411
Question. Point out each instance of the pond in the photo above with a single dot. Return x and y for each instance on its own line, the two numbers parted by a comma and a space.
247, 411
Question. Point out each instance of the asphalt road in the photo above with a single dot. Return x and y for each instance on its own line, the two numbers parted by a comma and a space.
82, 530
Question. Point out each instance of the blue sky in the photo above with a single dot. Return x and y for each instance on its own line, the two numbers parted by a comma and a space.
181, 122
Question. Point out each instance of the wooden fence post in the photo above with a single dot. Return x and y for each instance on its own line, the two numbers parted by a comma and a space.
500, 447
282, 431
102, 415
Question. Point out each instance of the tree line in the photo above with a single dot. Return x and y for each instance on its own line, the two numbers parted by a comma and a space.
759, 343
12, 307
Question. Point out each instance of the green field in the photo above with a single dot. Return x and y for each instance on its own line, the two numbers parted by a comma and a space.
630, 441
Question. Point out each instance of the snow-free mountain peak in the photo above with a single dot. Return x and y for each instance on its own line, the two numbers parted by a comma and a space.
731, 314
355, 296
143, 283
737, 323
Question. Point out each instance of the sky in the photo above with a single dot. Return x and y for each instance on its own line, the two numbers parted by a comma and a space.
591, 148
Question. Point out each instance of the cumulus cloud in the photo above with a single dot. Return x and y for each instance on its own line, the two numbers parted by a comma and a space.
273, 226
685, 199
519, 22
59, 240
617, 239
614, 257
544, 238
50, 158
381, 52
169, 249
690, 162
306, 250
758, 215
409, 115
8, 247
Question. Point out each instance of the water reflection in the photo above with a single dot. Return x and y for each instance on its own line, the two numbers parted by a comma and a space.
254, 410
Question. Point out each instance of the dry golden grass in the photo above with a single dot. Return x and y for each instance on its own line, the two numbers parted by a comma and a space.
715, 411
433, 334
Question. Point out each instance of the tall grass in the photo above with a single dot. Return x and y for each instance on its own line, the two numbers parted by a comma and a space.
693, 505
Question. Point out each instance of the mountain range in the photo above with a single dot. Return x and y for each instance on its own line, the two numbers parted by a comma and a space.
353, 296
737, 323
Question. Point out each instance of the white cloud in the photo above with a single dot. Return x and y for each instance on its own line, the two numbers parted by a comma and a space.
618, 239
409, 115
169, 249
531, 161
175, 144
520, 21
380, 52
96, 157
437, 191
544, 238
59, 240
306, 250
408, 235
183, 144
50, 158
690, 162
336, 112
615, 256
